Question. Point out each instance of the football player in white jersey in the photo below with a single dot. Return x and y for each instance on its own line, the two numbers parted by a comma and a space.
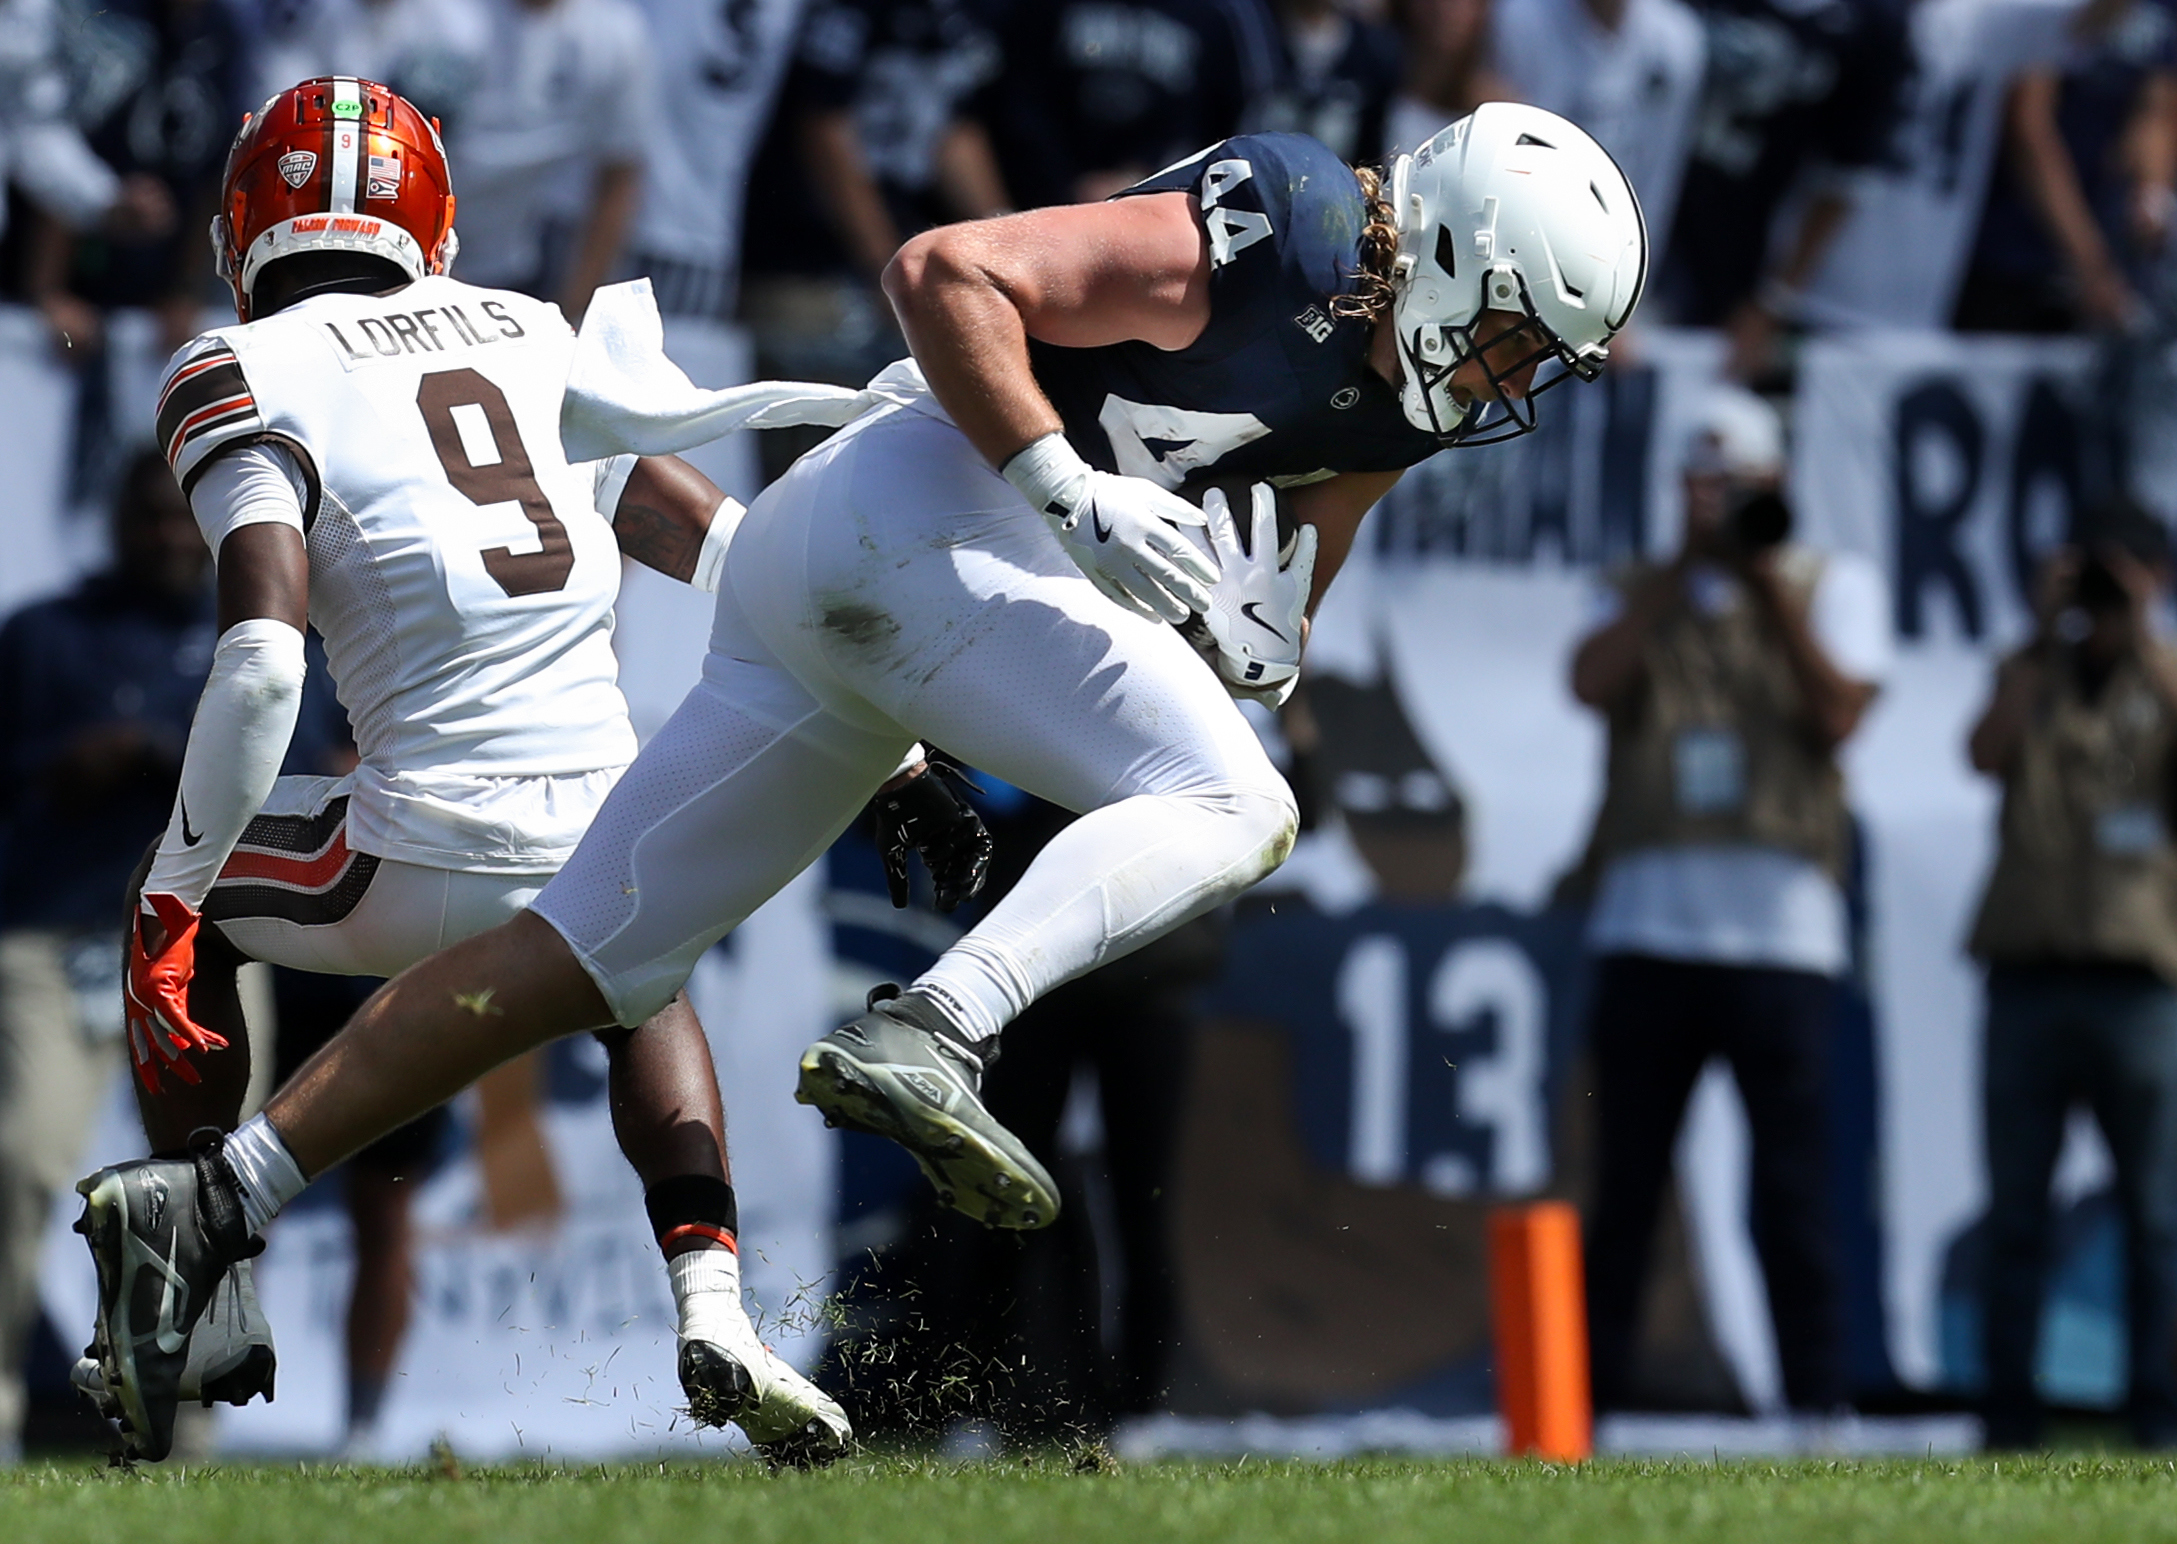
992, 559
379, 445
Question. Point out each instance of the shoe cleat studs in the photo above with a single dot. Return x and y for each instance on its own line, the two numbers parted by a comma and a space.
1003, 1181
1030, 1217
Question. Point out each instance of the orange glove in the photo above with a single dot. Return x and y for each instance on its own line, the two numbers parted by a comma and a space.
162, 959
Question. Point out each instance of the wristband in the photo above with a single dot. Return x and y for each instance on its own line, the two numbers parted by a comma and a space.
710, 563
612, 484
1050, 475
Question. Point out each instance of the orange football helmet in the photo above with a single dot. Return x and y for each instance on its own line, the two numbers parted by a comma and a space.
334, 164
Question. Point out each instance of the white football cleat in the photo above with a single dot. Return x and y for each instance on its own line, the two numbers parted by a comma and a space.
730, 1376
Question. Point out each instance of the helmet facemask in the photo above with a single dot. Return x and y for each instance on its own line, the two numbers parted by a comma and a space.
1495, 414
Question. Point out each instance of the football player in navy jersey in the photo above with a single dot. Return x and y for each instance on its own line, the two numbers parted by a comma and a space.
991, 560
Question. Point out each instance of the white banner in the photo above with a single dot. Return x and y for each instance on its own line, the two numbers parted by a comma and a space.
1953, 463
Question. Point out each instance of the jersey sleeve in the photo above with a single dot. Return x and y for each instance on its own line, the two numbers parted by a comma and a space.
251, 485
1282, 213
205, 406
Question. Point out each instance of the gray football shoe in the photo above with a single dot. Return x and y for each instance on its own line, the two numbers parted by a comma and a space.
231, 1360
162, 1233
900, 1071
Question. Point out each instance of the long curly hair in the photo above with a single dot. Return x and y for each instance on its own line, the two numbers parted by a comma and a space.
1371, 293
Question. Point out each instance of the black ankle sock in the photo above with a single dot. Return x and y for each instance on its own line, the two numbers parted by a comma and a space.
689, 1208
926, 1011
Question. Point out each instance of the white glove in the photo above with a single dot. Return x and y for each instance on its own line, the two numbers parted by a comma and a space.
1257, 608
1123, 531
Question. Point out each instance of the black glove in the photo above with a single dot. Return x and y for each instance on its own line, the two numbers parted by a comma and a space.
926, 814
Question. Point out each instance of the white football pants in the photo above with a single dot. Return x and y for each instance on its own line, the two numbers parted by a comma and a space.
889, 588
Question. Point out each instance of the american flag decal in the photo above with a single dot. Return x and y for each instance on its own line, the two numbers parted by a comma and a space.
383, 179
204, 402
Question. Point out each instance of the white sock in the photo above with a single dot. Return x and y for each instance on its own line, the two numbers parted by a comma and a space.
707, 1292
268, 1172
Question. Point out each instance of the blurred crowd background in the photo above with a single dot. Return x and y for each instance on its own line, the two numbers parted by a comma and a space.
1276, 1180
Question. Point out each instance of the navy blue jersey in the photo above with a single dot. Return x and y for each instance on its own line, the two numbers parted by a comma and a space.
1277, 386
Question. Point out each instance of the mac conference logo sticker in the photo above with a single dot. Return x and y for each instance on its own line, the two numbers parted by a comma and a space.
296, 167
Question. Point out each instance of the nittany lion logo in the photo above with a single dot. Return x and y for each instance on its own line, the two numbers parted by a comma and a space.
296, 167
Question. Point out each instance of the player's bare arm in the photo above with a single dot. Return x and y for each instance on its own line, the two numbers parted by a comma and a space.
969, 297
264, 571
666, 513
1335, 507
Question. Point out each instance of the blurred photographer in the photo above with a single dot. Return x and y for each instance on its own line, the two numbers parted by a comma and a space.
1729, 678
2078, 930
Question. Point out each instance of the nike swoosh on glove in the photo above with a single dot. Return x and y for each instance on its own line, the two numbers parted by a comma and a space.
927, 815
162, 960
1257, 611
1123, 532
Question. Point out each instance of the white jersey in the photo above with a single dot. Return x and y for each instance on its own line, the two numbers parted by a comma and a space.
567, 88
718, 70
1901, 255
1635, 87
459, 571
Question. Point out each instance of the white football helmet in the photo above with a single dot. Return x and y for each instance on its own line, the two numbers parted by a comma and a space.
1509, 209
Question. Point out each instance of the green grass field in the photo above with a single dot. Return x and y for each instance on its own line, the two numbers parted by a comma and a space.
2074, 1500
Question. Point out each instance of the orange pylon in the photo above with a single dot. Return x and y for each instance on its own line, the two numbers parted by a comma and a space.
1538, 1292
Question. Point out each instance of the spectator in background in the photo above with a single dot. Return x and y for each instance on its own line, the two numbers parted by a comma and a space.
1098, 94
433, 52
1728, 678
1450, 70
43, 152
878, 100
2078, 929
1901, 255
2085, 208
1335, 76
718, 70
1627, 71
162, 85
552, 147
1799, 95
97, 689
